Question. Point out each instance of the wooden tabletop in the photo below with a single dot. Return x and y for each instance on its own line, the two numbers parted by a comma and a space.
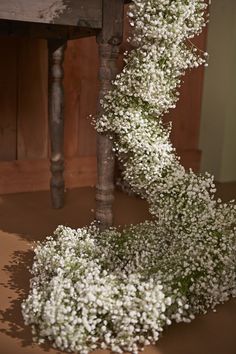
82, 13
60, 19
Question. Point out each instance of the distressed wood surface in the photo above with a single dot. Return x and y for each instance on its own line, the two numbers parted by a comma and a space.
82, 13
56, 121
108, 40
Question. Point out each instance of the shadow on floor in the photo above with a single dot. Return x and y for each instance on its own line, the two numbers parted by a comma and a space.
18, 282
27, 217
31, 216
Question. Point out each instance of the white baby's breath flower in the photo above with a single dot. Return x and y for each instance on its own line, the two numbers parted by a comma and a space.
118, 289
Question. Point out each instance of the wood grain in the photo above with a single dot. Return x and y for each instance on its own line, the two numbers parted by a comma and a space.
89, 66
72, 88
84, 13
30, 142
43, 31
81, 92
56, 50
109, 40
8, 98
34, 175
32, 119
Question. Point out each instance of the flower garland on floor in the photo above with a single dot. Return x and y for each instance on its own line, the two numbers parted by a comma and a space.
119, 289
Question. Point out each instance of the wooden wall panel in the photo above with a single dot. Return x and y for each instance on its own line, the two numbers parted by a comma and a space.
23, 99
89, 64
81, 91
8, 98
32, 119
34, 175
72, 88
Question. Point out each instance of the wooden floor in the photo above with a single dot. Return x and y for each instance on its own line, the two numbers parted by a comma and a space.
28, 217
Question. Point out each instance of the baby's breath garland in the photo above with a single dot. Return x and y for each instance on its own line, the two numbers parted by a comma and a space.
119, 289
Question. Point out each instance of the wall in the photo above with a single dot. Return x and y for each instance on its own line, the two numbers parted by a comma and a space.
186, 116
218, 123
24, 139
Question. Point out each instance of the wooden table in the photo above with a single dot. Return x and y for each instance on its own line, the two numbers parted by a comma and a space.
58, 21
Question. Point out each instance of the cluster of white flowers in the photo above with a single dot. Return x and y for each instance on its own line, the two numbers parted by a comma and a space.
118, 289
79, 303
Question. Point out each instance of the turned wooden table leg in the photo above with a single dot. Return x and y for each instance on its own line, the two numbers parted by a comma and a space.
108, 41
56, 121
